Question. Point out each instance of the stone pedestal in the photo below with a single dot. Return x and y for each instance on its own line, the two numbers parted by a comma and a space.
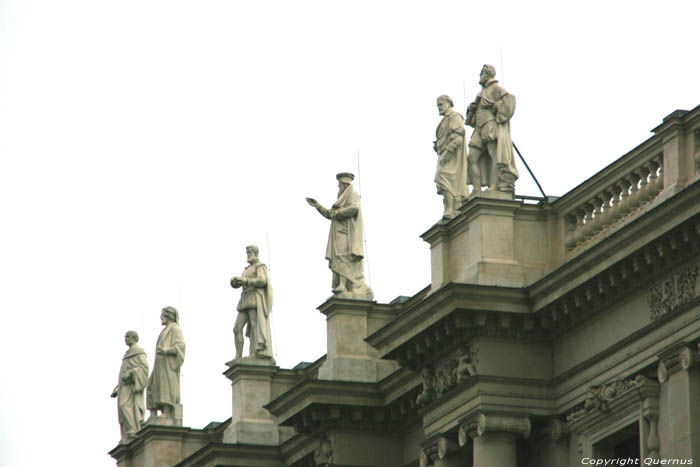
251, 388
479, 246
165, 421
349, 357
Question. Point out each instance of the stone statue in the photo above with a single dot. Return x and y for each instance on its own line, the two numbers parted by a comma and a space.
491, 148
254, 308
345, 249
163, 391
133, 376
451, 148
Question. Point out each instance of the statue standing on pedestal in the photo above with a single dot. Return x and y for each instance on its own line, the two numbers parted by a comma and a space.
133, 376
451, 172
491, 148
163, 391
254, 308
345, 249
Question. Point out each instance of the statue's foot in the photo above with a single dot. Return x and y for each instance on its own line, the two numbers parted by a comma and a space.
339, 290
449, 214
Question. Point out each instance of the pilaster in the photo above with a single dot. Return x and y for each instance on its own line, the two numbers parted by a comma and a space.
676, 426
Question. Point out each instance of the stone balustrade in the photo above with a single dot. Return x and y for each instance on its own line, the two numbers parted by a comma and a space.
621, 199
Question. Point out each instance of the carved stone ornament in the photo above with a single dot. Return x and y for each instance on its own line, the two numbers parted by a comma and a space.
558, 430
667, 367
673, 292
429, 383
598, 397
496, 423
689, 358
466, 431
467, 359
323, 456
428, 456
438, 381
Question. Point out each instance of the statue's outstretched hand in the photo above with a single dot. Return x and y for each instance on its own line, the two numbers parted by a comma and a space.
312, 202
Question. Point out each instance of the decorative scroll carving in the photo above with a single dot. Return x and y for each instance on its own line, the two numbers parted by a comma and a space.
495, 423
689, 358
673, 292
598, 397
428, 456
667, 367
323, 456
445, 447
465, 432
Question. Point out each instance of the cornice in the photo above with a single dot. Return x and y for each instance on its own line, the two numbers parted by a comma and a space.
453, 296
477, 206
223, 453
150, 432
315, 391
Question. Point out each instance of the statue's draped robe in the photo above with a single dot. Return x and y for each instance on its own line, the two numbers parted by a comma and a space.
164, 383
130, 392
345, 250
451, 172
257, 298
491, 122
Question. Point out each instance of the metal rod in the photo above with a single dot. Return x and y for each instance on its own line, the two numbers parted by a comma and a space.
528, 169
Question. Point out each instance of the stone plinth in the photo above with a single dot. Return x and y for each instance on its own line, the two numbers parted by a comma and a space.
349, 357
495, 240
251, 389
165, 421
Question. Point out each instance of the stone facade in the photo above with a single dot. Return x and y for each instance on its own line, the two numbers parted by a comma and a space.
552, 333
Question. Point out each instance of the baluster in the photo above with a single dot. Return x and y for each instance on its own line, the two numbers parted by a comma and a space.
624, 197
580, 215
616, 191
634, 191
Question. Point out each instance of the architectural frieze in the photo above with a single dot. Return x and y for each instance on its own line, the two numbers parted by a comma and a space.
598, 397
674, 291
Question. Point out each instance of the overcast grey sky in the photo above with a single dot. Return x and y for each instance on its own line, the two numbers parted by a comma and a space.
144, 144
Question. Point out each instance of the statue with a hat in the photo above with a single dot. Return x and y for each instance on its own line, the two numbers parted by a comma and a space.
345, 250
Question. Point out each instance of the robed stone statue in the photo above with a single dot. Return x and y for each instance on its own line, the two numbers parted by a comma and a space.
163, 392
133, 376
490, 157
254, 308
345, 249
451, 148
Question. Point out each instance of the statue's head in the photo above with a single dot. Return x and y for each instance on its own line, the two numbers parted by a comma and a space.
444, 104
488, 72
252, 253
131, 337
169, 315
344, 180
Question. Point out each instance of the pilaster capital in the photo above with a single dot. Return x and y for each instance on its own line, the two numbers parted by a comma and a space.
498, 423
